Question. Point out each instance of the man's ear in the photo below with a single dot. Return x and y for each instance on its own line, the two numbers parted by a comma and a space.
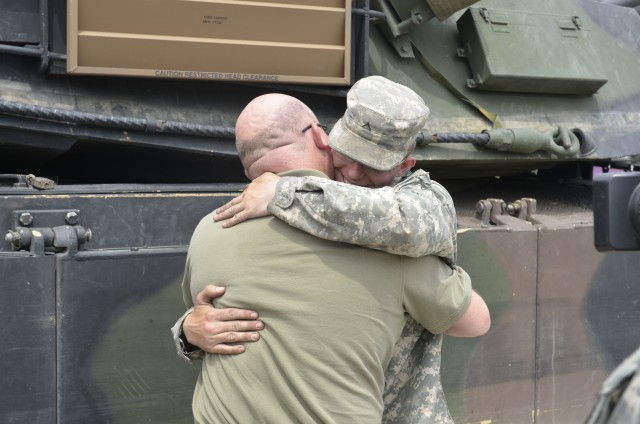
408, 163
320, 138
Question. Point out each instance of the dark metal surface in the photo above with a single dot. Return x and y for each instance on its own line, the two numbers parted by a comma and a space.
87, 331
117, 361
28, 348
20, 22
119, 217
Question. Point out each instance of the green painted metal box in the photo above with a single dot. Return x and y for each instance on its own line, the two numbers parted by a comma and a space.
529, 52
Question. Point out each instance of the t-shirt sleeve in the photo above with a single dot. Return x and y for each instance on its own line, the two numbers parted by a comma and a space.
435, 295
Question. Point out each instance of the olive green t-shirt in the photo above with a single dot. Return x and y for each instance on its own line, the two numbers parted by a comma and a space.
332, 313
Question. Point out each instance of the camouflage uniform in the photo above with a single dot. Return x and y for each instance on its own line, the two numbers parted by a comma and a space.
413, 391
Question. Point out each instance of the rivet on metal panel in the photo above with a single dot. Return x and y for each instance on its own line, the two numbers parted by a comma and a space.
25, 219
71, 218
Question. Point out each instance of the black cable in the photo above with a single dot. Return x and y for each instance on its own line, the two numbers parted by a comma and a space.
148, 124
479, 139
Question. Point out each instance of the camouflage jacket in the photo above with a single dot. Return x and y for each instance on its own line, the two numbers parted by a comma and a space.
414, 218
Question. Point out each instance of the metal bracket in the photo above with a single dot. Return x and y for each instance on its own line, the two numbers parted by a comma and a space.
402, 46
45, 218
47, 231
397, 32
498, 212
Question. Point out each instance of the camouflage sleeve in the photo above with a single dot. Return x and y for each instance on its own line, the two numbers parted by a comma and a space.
184, 350
415, 218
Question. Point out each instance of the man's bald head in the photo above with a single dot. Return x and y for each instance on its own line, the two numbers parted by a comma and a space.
269, 136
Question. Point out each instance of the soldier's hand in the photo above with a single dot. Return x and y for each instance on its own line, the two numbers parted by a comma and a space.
252, 203
220, 330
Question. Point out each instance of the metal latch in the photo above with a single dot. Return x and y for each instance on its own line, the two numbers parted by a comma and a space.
519, 214
498, 212
570, 27
498, 21
47, 231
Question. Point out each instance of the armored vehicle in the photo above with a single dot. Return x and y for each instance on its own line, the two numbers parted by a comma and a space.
116, 137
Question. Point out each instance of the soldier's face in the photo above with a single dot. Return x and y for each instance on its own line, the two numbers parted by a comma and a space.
352, 172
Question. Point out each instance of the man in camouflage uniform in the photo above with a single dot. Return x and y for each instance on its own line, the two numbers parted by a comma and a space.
371, 147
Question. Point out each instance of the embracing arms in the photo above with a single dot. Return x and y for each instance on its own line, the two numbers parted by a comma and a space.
414, 218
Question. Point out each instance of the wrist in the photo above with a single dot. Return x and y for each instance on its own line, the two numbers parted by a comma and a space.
183, 347
187, 346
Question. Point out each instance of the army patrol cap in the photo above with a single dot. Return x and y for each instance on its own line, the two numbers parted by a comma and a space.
381, 124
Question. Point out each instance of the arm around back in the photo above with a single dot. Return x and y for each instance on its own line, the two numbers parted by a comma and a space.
415, 218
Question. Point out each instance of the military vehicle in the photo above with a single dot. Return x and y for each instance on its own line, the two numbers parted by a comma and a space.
116, 137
